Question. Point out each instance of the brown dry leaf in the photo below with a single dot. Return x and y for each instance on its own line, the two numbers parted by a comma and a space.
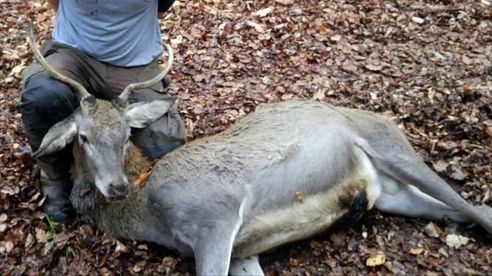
41, 235
373, 67
3, 217
315, 244
432, 230
9, 245
296, 261
440, 166
264, 12
418, 20
141, 179
120, 247
167, 265
488, 131
18, 69
456, 241
287, 96
30, 241
335, 38
258, 27
458, 174
319, 95
431, 273
349, 66
284, 2
417, 250
144, 176
376, 260
338, 239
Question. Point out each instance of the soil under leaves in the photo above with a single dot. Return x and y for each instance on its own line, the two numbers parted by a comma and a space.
427, 65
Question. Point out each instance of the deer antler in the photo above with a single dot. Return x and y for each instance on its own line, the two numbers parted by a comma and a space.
51, 71
139, 85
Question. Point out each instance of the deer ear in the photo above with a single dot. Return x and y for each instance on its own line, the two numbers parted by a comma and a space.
142, 114
58, 136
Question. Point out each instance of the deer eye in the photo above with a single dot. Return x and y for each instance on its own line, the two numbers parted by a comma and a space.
83, 138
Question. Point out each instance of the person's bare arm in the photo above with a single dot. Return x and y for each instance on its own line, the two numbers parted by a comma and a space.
54, 4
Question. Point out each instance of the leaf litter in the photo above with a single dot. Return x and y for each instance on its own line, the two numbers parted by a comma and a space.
426, 65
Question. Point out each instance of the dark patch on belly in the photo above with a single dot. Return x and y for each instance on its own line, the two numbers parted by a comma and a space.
356, 209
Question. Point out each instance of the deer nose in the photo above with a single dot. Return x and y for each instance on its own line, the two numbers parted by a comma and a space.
117, 191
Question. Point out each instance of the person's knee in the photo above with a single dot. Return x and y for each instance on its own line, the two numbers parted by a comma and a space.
162, 136
44, 93
44, 102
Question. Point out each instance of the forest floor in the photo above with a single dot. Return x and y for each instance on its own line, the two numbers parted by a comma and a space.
427, 65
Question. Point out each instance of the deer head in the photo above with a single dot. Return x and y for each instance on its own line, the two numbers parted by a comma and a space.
101, 128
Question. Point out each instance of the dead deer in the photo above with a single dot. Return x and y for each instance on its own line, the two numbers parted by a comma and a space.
283, 173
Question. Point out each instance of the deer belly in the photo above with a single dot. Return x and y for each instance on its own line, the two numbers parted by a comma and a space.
306, 216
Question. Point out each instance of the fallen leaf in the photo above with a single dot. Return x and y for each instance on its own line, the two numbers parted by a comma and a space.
456, 241
120, 247
432, 230
264, 12
349, 66
376, 260
320, 95
373, 67
259, 28
141, 179
287, 96
489, 131
338, 239
284, 2
418, 20
41, 235
296, 261
18, 69
417, 250
440, 166
30, 240
9, 245
458, 174
315, 244
335, 38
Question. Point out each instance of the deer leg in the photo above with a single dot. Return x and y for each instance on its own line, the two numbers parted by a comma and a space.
402, 199
213, 249
417, 175
406, 168
246, 266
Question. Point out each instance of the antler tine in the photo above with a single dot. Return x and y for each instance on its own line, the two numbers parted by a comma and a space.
51, 71
139, 85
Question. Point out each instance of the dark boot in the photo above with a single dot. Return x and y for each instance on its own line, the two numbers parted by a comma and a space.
57, 203
56, 188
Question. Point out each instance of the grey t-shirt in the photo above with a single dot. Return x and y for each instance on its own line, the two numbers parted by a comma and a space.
119, 32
